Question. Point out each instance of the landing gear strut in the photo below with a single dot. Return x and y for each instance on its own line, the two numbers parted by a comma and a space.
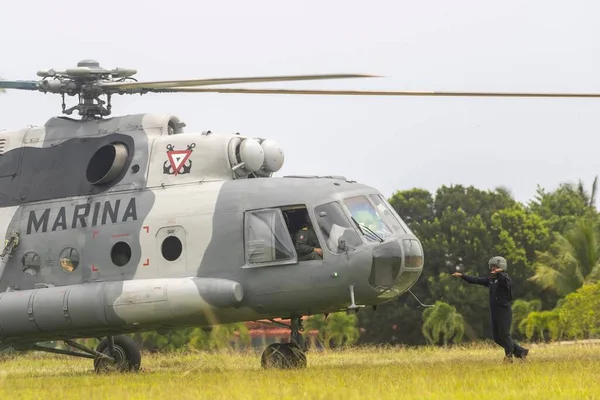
114, 353
125, 354
287, 355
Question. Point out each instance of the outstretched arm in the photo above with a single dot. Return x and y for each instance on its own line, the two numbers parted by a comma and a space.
478, 280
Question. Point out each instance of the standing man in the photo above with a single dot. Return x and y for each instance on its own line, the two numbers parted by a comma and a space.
499, 284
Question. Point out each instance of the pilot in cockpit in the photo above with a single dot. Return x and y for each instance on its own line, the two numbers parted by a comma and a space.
306, 242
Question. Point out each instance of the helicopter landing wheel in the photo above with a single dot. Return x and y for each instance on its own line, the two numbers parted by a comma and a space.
283, 356
124, 350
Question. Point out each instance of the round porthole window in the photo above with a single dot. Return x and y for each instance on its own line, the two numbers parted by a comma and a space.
171, 248
120, 254
69, 259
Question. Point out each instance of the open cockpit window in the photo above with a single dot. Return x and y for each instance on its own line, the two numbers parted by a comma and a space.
335, 225
306, 242
371, 223
267, 238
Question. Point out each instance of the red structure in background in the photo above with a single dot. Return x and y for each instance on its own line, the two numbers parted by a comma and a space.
262, 334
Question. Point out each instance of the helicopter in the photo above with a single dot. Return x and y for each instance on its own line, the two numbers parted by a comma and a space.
125, 224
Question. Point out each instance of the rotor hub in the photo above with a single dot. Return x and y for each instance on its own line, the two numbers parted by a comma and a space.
89, 81
88, 63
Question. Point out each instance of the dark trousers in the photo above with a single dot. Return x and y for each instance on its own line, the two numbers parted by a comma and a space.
501, 321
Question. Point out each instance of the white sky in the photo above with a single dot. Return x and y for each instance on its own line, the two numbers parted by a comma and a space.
390, 143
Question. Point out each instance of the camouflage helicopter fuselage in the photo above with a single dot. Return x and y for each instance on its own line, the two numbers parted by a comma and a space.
170, 235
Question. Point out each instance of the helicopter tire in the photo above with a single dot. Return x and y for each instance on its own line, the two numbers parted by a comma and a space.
128, 357
283, 356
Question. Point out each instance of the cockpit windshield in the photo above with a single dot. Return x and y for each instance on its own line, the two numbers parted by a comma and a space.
368, 217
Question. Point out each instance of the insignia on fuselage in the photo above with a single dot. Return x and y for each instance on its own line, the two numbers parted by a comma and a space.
178, 160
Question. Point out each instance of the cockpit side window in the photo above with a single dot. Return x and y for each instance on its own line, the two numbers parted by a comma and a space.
334, 224
267, 238
306, 241
367, 216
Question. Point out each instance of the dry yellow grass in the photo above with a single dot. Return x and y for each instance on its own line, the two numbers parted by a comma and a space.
471, 372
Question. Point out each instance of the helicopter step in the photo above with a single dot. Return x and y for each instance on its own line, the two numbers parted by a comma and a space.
112, 305
353, 307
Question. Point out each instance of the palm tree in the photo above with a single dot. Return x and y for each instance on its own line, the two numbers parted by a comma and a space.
588, 198
443, 322
521, 309
540, 322
338, 329
342, 329
573, 259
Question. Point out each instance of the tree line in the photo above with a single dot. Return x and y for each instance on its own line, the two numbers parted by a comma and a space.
551, 243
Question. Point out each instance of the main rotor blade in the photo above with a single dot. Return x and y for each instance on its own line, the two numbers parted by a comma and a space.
227, 81
19, 85
372, 92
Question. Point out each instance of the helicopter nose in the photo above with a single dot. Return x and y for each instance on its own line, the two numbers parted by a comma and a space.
397, 264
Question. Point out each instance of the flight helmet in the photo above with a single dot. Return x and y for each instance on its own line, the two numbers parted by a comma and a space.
498, 261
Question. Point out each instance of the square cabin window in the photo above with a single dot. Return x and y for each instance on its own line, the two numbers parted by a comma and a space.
267, 238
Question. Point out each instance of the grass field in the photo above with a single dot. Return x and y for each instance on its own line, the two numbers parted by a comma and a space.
471, 372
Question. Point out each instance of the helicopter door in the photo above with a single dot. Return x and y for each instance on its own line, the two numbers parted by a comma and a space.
172, 257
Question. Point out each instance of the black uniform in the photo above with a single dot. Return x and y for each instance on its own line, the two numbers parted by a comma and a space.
306, 242
500, 289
